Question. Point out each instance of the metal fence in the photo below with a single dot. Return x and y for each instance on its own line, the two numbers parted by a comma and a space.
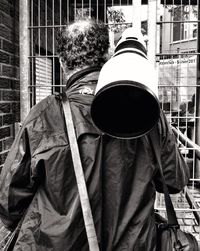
171, 31
46, 17
178, 73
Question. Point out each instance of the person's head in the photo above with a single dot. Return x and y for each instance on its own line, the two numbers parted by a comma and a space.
83, 43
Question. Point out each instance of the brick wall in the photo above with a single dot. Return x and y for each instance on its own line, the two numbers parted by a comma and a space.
9, 74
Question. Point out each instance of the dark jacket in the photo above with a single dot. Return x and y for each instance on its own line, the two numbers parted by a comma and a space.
38, 179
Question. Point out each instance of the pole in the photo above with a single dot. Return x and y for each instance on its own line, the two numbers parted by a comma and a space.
136, 21
197, 130
152, 48
24, 41
152, 31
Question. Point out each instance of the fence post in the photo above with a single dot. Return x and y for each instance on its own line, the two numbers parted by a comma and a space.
24, 41
136, 21
197, 131
152, 31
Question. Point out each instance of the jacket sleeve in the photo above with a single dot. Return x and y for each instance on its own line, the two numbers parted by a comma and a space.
175, 169
17, 182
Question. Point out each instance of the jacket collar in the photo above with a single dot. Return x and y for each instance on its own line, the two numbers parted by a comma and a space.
80, 99
80, 74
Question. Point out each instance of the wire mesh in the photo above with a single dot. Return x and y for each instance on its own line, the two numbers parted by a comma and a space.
177, 60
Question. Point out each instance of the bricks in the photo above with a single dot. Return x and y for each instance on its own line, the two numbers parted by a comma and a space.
6, 83
5, 107
1, 120
10, 71
1, 146
4, 57
5, 32
8, 34
9, 74
6, 20
8, 119
14, 60
5, 132
10, 95
10, 47
5, 7
16, 111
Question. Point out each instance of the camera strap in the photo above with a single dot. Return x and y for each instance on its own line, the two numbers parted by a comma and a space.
171, 214
80, 178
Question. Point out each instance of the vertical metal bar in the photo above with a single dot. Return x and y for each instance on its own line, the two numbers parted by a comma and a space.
46, 43
53, 43
39, 52
68, 11
105, 11
136, 15
38, 93
24, 41
152, 36
90, 8
32, 90
97, 7
82, 4
74, 9
157, 44
197, 129
152, 12
60, 66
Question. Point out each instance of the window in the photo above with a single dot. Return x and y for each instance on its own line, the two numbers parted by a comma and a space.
43, 78
183, 27
178, 26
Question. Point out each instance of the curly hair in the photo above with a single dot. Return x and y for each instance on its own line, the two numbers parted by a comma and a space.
83, 43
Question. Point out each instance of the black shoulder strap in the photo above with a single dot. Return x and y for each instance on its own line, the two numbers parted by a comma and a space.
171, 215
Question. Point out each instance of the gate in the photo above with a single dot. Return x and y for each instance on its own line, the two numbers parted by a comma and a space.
171, 31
